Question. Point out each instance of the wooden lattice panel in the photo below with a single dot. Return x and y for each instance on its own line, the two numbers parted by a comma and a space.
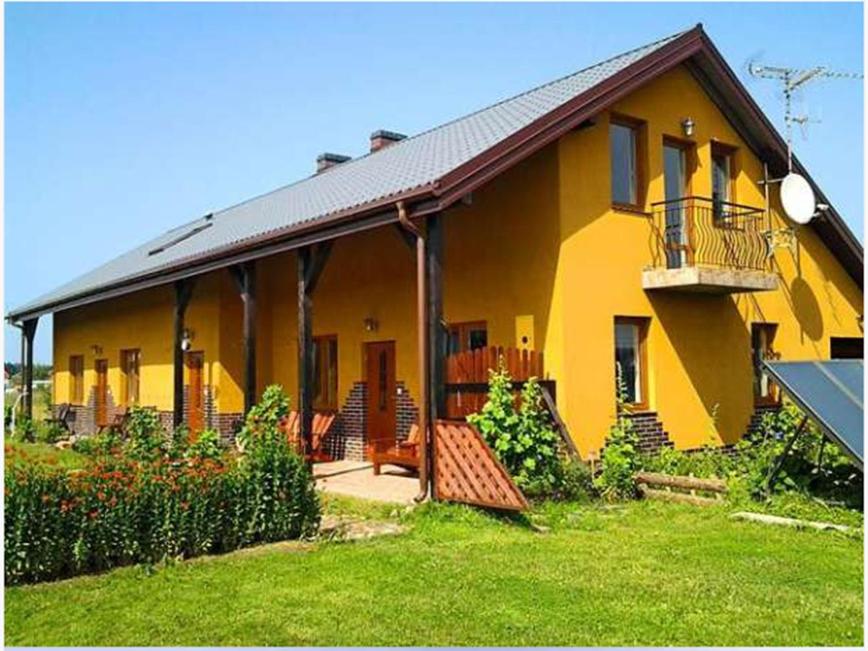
467, 471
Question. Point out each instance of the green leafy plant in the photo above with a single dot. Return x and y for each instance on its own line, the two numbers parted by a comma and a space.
146, 438
206, 446
620, 458
523, 440
263, 419
122, 510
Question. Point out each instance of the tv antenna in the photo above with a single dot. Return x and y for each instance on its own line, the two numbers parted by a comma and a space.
792, 79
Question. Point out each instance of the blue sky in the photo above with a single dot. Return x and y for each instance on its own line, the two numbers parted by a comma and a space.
123, 120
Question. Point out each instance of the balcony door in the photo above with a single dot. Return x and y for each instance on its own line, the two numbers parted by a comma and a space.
677, 236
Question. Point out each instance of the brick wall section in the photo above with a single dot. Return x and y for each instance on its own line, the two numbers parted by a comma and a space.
406, 412
347, 438
650, 430
85, 415
756, 419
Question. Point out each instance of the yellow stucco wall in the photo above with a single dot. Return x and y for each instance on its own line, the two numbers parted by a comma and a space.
143, 320
539, 250
698, 346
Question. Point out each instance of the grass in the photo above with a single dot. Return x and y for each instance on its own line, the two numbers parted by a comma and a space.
43, 453
638, 573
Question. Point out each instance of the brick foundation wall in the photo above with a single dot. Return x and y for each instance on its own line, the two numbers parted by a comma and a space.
650, 430
347, 437
756, 418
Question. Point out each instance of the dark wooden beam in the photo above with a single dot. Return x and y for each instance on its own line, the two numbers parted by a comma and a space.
28, 330
305, 350
183, 293
319, 255
436, 331
245, 280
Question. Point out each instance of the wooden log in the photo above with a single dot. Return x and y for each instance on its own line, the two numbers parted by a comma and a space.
684, 483
672, 496
789, 522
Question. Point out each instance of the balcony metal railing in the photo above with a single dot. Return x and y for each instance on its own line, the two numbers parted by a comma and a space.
702, 232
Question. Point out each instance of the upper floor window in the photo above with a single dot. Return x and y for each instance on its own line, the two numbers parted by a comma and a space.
631, 366
469, 335
130, 373
762, 337
722, 176
625, 148
325, 372
846, 348
76, 379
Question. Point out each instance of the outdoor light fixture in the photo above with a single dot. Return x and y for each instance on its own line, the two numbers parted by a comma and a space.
371, 324
687, 125
96, 349
186, 339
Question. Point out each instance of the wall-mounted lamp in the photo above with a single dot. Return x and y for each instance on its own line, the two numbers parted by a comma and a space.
687, 125
371, 324
96, 349
187, 339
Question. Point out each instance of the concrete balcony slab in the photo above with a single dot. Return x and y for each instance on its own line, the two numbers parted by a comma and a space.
709, 280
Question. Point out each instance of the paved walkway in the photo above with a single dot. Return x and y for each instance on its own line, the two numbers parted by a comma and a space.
357, 479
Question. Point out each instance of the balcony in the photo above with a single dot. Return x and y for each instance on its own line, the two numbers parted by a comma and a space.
707, 246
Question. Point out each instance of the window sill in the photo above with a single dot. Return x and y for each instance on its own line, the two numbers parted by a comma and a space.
630, 209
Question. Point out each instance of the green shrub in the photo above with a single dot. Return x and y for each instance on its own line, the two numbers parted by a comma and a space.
49, 432
523, 440
104, 444
264, 417
814, 465
206, 446
122, 511
620, 458
575, 481
146, 438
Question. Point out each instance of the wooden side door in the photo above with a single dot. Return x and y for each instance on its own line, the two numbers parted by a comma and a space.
195, 363
380, 381
101, 392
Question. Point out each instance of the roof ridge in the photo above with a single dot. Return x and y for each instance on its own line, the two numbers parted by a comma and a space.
408, 139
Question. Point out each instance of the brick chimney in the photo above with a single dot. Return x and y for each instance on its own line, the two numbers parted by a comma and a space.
327, 160
382, 138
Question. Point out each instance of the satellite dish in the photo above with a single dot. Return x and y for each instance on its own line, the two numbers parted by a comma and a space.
797, 198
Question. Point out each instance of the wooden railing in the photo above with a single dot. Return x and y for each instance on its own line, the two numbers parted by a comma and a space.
702, 232
467, 375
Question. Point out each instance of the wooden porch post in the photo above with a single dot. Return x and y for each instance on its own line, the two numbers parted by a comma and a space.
245, 279
415, 239
436, 338
183, 293
311, 262
28, 330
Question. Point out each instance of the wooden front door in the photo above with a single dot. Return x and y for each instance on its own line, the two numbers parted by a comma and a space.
195, 363
380, 381
101, 392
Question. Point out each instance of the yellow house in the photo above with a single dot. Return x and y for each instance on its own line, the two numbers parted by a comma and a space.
624, 217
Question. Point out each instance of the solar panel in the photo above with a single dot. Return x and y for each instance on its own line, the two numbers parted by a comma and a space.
830, 393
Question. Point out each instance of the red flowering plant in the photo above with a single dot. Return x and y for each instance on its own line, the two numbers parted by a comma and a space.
122, 510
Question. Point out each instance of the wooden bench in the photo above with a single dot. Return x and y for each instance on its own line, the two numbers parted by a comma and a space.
322, 424
118, 422
65, 417
401, 453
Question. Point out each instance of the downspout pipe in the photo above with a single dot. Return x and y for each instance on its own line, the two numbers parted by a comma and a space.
422, 332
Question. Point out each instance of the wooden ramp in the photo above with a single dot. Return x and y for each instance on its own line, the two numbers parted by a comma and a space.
466, 470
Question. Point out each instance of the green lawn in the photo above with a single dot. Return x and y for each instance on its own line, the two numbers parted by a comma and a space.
653, 574
43, 453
